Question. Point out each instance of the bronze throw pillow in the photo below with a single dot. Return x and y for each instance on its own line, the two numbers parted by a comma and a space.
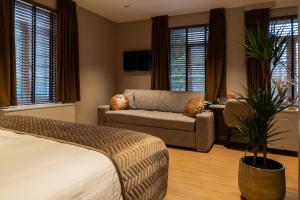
119, 102
193, 107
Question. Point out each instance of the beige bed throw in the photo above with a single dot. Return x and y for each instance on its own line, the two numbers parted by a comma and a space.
141, 160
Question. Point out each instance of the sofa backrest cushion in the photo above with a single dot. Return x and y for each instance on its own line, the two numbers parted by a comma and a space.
162, 100
145, 99
171, 101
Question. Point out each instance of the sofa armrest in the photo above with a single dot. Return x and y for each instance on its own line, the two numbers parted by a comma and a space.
101, 113
205, 131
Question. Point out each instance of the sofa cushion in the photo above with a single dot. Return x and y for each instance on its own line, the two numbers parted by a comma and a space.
131, 100
145, 99
194, 106
119, 102
157, 119
171, 101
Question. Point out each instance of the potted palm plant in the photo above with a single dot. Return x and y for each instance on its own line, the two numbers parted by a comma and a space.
261, 177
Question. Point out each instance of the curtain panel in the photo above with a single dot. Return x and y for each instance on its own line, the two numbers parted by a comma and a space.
216, 58
8, 94
253, 20
160, 51
68, 82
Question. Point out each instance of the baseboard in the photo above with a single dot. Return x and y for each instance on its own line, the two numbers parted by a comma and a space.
241, 147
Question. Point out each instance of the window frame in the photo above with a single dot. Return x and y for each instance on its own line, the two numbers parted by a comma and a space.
53, 38
293, 39
206, 26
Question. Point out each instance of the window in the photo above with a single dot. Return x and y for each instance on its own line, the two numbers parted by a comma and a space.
288, 67
35, 37
188, 55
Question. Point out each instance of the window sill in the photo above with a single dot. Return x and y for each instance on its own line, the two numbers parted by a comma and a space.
33, 107
290, 111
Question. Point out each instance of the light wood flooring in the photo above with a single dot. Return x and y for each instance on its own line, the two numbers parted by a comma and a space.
204, 176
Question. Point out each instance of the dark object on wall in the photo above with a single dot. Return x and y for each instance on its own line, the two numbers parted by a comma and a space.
8, 94
216, 58
137, 60
68, 84
253, 19
160, 53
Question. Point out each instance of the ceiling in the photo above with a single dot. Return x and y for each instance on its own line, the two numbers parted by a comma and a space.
132, 10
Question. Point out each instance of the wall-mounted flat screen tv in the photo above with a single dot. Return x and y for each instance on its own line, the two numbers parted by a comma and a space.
137, 60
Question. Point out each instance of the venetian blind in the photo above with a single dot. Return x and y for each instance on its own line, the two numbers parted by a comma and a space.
188, 55
35, 36
287, 70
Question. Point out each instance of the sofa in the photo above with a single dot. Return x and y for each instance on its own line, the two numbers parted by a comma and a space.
160, 113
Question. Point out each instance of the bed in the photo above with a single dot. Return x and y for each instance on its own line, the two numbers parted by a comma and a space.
51, 159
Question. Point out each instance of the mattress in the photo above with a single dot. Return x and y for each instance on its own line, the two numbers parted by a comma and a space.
141, 160
34, 168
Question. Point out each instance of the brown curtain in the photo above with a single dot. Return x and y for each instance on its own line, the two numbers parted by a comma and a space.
67, 85
8, 96
216, 58
253, 19
160, 51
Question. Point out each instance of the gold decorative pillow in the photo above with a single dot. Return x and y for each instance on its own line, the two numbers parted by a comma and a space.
193, 107
119, 102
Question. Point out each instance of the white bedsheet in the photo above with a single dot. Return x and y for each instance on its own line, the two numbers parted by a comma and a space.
32, 168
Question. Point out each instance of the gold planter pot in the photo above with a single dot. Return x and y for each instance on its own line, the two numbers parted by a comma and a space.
261, 184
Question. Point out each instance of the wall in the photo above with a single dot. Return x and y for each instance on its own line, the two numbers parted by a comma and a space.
97, 62
49, 3
132, 36
236, 68
137, 35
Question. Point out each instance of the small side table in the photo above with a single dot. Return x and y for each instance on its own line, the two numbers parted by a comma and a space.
221, 130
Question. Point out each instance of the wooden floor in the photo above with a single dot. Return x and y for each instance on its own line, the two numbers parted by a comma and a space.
204, 176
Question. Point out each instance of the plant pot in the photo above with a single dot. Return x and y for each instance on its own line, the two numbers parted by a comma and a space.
261, 184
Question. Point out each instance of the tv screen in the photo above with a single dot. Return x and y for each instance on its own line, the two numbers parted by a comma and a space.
137, 60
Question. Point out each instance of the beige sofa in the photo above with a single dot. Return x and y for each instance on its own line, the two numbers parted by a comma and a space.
159, 113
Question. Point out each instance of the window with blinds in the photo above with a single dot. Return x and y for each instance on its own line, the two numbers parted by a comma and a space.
35, 38
188, 55
287, 70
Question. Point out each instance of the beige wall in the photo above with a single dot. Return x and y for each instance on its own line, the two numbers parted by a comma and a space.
97, 64
189, 19
49, 3
132, 36
236, 68
137, 35
128, 33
